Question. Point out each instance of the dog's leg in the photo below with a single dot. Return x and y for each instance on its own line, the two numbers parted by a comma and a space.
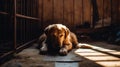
43, 49
65, 49
74, 41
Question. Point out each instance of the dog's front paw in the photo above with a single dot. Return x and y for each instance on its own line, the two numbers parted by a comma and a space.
63, 52
43, 50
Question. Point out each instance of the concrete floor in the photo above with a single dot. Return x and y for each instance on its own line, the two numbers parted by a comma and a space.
101, 55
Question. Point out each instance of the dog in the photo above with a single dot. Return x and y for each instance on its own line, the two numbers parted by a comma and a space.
57, 38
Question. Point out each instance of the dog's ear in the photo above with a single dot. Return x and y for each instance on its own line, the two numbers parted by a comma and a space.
67, 32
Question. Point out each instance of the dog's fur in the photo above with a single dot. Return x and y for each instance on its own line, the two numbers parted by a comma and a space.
57, 38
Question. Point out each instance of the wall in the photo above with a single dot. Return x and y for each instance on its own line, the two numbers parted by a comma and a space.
75, 12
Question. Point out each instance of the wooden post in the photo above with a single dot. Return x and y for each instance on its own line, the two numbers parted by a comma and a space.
95, 12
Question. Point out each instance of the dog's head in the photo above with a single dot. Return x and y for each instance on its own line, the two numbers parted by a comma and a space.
56, 34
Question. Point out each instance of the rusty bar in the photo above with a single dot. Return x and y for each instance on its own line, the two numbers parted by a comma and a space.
23, 8
27, 21
6, 54
31, 7
118, 11
27, 8
111, 13
24, 31
15, 25
4, 13
31, 14
24, 22
20, 7
103, 14
9, 6
37, 6
22, 46
32, 1
42, 13
21, 24
26, 17
34, 7
4, 6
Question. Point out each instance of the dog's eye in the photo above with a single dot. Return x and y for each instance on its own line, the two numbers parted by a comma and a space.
61, 35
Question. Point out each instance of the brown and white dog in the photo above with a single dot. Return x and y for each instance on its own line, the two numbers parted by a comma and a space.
57, 38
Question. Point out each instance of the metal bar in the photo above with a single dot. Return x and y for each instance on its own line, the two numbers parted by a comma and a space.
34, 7
111, 13
23, 8
27, 9
42, 14
118, 10
27, 21
5, 6
5, 54
37, 10
24, 22
21, 12
28, 30
31, 10
30, 7
24, 31
5, 13
21, 34
26, 44
26, 17
103, 14
15, 24
32, 14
